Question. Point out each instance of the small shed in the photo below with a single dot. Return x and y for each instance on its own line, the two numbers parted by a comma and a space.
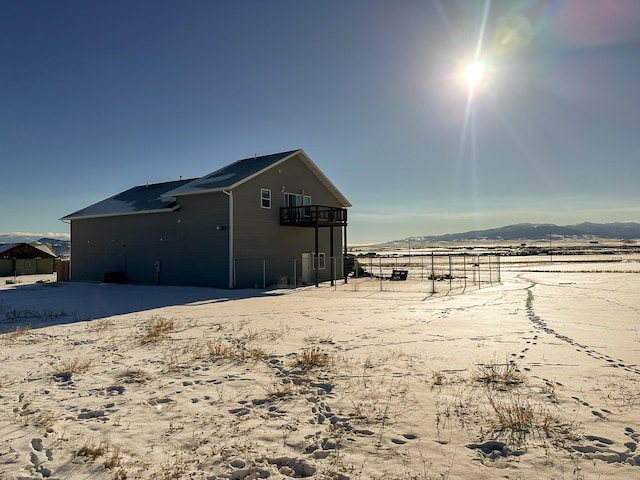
25, 259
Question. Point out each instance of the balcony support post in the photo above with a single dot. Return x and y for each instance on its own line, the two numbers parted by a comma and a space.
333, 263
316, 260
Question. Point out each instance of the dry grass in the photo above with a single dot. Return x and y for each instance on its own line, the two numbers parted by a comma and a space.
103, 325
22, 334
157, 329
314, 338
72, 366
93, 450
47, 419
133, 375
502, 375
113, 455
15, 314
237, 351
313, 358
517, 417
437, 378
497, 403
20, 331
114, 458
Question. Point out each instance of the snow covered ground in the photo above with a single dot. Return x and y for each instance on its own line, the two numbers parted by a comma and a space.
536, 377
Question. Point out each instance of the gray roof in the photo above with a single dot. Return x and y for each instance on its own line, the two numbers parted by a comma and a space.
161, 197
8, 246
140, 199
43, 247
232, 175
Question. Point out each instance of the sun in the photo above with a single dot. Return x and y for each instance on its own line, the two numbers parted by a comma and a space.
474, 73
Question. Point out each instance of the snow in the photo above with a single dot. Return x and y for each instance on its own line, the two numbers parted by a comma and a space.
345, 382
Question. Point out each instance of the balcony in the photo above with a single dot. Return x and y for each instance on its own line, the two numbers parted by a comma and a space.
313, 216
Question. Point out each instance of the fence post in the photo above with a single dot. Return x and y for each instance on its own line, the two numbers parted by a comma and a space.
333, 274
490, 278
478, 263
380, 263
295, 273
464, 270
499, 276
264, 273
450, 273
433, 276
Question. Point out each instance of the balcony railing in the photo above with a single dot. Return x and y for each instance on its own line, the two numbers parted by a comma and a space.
313, 215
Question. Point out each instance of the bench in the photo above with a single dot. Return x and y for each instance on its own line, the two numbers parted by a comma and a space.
397, 275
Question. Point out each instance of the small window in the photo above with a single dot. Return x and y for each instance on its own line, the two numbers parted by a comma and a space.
319, 261
265, 198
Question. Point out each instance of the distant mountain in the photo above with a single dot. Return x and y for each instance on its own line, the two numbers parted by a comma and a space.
61, 248
541, 231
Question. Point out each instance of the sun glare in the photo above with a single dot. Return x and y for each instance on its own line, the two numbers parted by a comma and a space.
474, 73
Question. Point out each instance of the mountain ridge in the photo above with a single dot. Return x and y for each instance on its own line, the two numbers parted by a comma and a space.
542, 231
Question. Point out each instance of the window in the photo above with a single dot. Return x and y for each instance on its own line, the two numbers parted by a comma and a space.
292, 200
306, 201
265, 198
319, 261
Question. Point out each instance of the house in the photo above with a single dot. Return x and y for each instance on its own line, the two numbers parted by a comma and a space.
25, 259
260, 221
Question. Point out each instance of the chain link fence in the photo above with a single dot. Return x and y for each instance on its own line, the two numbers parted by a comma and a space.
434, 273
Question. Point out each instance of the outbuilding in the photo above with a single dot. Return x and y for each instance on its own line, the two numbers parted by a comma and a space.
25, 259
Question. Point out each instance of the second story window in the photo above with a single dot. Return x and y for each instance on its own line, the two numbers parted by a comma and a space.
292, 200
306, 201
265, 198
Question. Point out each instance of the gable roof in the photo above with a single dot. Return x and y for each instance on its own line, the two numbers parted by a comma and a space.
25, 250
4, 247
231, 175
236, 173
140, 199
161, 197
43, 247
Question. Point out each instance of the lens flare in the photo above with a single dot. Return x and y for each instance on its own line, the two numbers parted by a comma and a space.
474, 73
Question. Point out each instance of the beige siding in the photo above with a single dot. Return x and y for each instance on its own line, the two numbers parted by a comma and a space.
258, 233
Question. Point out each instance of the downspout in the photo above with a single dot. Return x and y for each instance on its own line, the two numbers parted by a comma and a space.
230, 228
344, 270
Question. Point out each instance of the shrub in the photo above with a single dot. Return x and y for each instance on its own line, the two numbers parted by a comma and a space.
312, 358
72, 366
157, 328
499, 374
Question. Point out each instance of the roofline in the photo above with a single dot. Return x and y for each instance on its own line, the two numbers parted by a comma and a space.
334, 190
324, 179
233, 185
104, 215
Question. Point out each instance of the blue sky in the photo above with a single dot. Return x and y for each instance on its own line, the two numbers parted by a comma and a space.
99, 96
